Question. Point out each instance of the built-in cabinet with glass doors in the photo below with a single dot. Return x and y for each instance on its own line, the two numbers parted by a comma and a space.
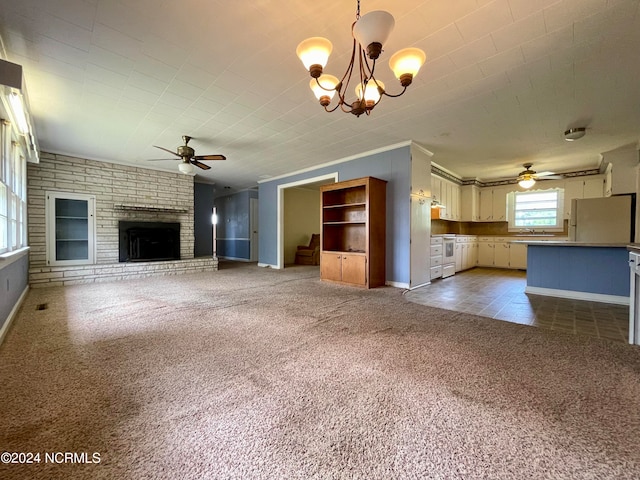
70, 228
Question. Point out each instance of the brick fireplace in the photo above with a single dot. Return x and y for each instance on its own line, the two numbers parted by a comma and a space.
123, 193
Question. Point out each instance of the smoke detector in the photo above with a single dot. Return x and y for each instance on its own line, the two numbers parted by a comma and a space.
574, 134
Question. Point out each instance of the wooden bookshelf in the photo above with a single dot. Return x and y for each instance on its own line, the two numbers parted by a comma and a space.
352, 238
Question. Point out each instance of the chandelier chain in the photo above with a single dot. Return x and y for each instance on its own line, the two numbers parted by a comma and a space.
358, 11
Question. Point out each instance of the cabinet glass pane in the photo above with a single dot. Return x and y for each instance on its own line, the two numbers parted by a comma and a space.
72, 208
72, 250
72, 229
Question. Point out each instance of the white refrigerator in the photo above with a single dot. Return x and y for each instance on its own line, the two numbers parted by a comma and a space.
603, 220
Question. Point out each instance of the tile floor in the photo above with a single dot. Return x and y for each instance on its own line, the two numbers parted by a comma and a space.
500, 294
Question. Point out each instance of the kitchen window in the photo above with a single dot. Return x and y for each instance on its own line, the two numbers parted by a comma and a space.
536, 211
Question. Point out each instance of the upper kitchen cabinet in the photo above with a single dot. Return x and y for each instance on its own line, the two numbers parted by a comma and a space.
493, 204
448, 194
582, 187
470, 200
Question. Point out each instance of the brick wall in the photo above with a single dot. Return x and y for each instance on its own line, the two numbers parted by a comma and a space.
113, 185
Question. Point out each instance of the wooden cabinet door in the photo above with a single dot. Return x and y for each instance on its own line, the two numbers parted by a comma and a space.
331, 266
354, 269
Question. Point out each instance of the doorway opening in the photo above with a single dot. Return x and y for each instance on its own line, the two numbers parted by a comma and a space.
298, 214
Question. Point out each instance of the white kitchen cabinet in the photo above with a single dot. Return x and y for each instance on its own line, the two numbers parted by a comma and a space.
473, 254
470, 203
501, 253
485, 252
486, 205
518, 255
499, 205
436, 190
493, 204
593, 187
448, 194
466, 252
436, 257
582, 187
455, 202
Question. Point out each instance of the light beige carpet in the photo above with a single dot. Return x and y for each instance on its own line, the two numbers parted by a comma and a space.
253, 373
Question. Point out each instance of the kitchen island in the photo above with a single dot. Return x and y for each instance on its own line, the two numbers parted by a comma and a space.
597, 272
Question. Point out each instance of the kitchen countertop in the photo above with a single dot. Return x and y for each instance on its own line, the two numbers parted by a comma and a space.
568, 243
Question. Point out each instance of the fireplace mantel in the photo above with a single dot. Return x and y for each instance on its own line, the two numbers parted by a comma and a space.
148, 208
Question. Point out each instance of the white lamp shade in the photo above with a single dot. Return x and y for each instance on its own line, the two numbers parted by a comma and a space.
371, 93
407, 60
373, 27
327, 81
527, 182
314, 51
185, 168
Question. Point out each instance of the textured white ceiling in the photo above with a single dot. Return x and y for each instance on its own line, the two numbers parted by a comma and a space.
108, 79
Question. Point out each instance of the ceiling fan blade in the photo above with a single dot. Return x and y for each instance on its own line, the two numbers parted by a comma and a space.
167, 150
550, 177
209, 157
159, 159
545, 174
200, 165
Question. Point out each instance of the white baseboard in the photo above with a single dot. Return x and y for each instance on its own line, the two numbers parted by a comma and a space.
268, 265
571, 294
235, 259
397, 284
12, 314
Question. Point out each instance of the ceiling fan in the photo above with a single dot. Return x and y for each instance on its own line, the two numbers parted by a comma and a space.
527, 178
189, 157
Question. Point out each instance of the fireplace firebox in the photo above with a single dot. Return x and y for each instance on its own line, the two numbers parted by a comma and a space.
148, 241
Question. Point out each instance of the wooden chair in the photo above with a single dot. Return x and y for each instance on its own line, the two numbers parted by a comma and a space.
309, 254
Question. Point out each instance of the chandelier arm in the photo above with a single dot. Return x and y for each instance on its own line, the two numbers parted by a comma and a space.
366, 63
394, 96
332, 109
345, 110
325, 89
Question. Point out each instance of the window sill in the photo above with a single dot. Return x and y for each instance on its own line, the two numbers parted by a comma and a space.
8, 258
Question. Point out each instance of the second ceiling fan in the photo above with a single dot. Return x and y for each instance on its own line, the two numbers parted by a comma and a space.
189, 157
528, 177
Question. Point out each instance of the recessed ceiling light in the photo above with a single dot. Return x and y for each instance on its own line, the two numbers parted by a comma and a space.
574, 134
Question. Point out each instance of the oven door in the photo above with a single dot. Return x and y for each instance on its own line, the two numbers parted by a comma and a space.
449, 251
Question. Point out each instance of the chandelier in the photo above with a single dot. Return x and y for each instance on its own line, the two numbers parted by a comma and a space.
369, 34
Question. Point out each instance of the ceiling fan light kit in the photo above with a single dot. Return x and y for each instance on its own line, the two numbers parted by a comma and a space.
185, 168
574, 134
527, 178
369, 32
